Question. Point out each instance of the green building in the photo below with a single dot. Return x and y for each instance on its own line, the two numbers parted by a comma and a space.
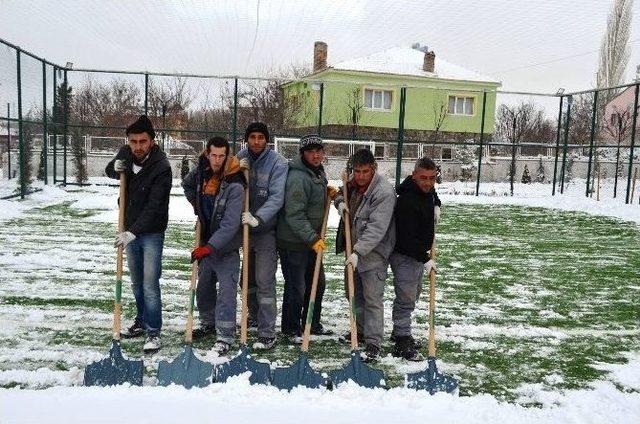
361, 97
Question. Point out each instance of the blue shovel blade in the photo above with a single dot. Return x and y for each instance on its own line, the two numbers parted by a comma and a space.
359, 372
243, 362
186, 370
299, 373
114, 370
431, 380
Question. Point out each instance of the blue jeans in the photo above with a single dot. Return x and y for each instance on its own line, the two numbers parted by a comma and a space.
297, 269
144, 257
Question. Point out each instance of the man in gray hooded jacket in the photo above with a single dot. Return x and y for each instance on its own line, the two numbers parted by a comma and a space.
371, 204
215, 188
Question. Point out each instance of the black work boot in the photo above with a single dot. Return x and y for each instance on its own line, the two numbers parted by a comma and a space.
404, 349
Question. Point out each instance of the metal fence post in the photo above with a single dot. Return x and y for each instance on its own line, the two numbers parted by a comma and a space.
321, 101
513, 155
633, 141
55, 125
45, 132
484, 104
592, 138
8, 141
65, 130
566, 141
403, 98
146, 93
555, 164
23, 183
234, 128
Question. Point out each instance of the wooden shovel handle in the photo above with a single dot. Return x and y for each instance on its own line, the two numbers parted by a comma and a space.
432, 301
245, 267
188, 334
117, 304
349, 268
314, 285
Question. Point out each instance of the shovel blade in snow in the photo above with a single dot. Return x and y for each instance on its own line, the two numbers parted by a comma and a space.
114, 370
243, 362
299, 373
431, 380
359, 372
186, 370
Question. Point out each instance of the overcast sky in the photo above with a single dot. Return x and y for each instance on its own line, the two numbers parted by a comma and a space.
529, 45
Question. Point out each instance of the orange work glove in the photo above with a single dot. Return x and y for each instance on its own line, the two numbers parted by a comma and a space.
318, 246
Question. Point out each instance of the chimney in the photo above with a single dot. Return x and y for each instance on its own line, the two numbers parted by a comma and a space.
429, 61
319, 56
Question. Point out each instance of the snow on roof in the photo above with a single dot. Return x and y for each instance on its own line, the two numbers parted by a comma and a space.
408, 61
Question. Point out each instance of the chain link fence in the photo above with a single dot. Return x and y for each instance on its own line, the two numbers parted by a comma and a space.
61, 125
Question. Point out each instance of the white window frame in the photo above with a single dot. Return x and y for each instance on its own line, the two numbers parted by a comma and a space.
374, 91
463, 99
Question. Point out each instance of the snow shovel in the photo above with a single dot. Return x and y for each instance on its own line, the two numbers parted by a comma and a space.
116, 369
243, 362
430, 379
300, 372
187, 370
356, 369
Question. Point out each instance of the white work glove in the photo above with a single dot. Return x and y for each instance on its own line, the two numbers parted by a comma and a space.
124, 238
342, 208
120, 165
352, 260
436, 214
250, 220
244, 163
430, 265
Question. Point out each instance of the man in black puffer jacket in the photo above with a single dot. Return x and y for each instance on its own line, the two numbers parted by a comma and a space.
417, 212
148, 176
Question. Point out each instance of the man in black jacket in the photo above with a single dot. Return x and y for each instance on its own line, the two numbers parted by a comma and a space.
417, 212
148, 176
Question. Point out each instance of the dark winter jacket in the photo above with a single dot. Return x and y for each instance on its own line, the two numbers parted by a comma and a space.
414, 220
223, 220
147, 198
300, 220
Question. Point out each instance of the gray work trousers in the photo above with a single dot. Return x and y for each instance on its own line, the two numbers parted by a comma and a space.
219, 307
263, 264
407, 284
369, 303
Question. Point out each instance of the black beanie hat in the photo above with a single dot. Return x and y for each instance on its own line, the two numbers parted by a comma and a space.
143, 124
256, 127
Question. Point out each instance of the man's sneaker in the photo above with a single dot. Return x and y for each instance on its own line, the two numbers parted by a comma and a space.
321, 331
221, 347
136, 330
203, 331
417, 344
346, 338
295, 339
404, 349
264, 343
371, 353
152, 344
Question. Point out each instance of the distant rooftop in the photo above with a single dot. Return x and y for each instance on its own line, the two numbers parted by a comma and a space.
408, 61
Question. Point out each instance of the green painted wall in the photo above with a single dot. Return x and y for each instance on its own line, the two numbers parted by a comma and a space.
344, 90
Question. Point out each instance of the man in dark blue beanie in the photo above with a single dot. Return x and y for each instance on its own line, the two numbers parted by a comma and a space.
267, 177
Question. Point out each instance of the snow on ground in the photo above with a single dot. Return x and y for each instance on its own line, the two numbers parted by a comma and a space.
614, 397
237, 401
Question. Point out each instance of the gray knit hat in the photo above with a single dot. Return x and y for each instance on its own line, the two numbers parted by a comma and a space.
310, 141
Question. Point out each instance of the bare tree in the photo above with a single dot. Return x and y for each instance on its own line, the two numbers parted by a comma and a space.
355, 106
614, 49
